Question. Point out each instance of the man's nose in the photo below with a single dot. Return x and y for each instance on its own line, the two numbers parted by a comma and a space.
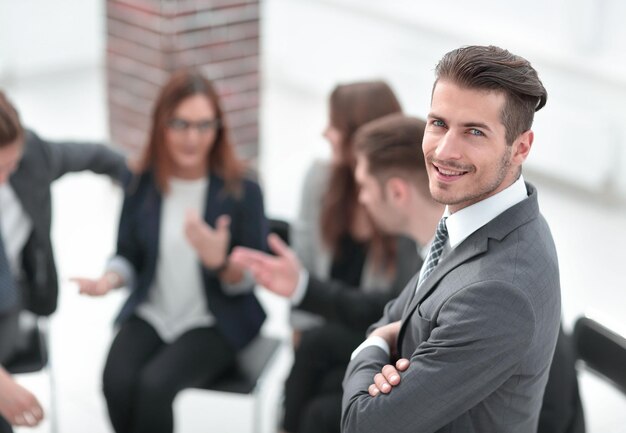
449, 147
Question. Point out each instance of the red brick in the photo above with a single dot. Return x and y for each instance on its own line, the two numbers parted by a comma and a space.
148, 39
231, 68
138, 35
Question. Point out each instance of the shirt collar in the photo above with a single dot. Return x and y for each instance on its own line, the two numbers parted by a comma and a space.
466, 221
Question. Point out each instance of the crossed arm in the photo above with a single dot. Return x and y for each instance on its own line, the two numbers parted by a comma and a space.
479, 335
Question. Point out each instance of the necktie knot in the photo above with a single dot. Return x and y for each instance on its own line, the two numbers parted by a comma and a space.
436, 248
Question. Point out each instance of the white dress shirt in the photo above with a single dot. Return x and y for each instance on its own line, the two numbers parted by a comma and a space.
15, 226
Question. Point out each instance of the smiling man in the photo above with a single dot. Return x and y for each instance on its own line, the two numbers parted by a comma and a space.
479, 324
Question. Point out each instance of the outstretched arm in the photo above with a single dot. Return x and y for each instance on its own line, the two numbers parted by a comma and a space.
69, 156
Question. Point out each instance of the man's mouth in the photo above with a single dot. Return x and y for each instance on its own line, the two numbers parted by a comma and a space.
449, 172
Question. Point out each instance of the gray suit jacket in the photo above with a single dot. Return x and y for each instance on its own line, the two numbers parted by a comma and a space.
479, 333
42, 163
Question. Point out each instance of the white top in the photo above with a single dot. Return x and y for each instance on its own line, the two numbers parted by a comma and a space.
463, 223
15, 226
176, 302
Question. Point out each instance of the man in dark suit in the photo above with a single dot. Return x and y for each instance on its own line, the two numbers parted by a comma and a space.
396, 196
28, 278
476, 330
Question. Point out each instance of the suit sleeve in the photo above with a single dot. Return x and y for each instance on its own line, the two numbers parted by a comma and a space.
394, 308
341, 303
66, 157
480, 334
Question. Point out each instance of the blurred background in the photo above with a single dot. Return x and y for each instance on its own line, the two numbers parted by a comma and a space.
89, 69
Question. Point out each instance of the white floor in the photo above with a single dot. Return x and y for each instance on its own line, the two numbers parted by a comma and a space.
589, 236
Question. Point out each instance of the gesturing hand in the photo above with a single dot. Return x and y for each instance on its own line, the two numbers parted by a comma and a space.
211, 244
97, 287
388, 378
279, 273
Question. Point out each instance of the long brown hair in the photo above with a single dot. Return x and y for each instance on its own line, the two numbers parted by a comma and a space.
222, 158
353, 105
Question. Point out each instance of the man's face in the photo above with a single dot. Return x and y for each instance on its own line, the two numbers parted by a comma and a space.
386, 215
10, 156
464, 145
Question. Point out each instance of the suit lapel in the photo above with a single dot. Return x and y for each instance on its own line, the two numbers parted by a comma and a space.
464, 252
477, 243
213, 206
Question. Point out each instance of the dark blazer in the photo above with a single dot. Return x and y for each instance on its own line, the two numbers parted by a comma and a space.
238, 317
42, 163
479, 333
355, 308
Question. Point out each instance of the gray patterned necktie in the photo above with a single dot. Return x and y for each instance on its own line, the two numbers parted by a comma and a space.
436, 248
8, 288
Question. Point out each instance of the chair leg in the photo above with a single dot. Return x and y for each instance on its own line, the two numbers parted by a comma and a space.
53, 403
44, 326
256, 414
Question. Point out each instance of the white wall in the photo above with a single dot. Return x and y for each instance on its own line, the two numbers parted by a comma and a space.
42, 36
576, 45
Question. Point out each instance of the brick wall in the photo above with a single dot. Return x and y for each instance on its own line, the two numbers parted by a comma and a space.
148, 39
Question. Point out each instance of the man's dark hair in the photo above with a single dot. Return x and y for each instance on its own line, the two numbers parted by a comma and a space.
10, 126
392, 146
495, 69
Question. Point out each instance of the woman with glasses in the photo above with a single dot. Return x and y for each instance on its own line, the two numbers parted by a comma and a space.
189, 309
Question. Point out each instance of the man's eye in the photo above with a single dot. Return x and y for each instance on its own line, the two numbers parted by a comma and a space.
476, 132
437, 122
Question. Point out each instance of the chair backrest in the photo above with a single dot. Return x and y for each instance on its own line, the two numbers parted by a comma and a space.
250, 366
32, 347
602, 350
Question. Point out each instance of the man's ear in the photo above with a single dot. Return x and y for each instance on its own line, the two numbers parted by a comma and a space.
396, 189
522, 146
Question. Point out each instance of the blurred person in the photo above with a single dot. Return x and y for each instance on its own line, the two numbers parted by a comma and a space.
28, 277
476, 330
190, 310
393, 187
333, 236
335, 239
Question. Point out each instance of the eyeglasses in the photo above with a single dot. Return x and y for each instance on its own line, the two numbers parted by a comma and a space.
202, 126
